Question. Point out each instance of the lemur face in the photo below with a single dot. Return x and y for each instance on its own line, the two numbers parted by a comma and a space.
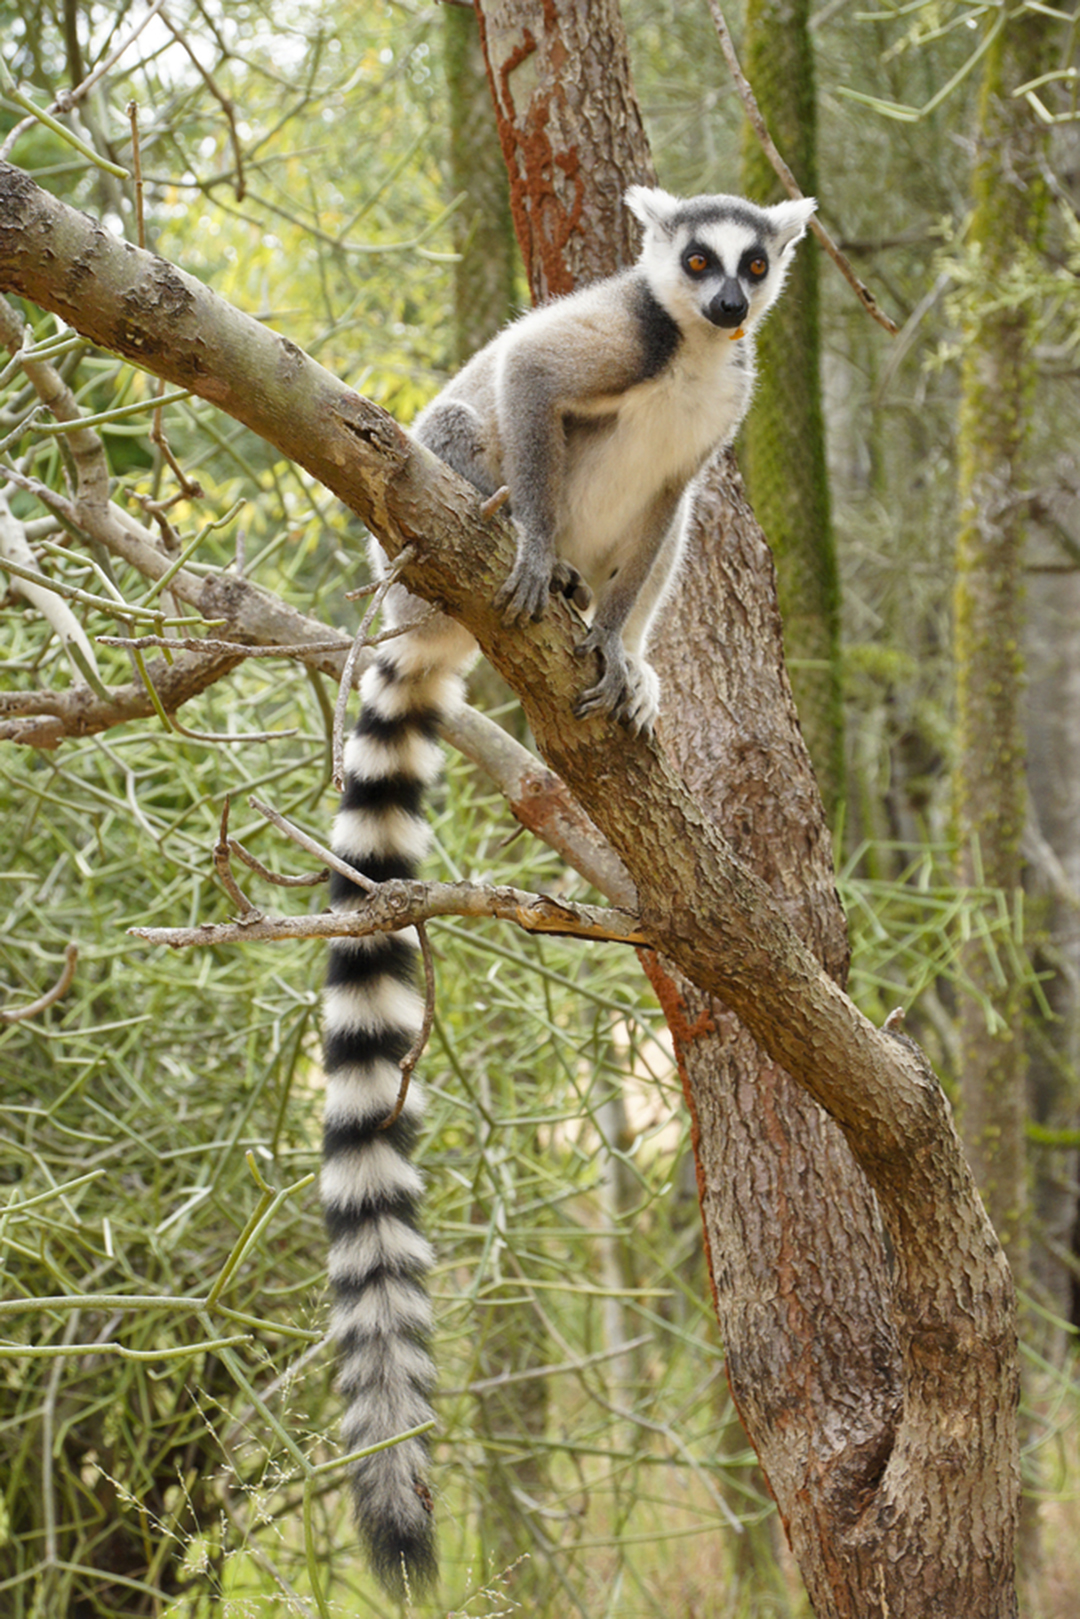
718, 259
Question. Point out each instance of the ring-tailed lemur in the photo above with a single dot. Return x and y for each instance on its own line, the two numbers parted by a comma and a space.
596, 411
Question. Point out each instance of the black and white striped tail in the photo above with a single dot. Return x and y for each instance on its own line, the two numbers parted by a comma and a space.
371, 1190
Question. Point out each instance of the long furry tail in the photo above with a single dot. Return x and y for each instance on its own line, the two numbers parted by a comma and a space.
371, 1189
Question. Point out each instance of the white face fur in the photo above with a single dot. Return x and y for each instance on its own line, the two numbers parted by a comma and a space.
719, 259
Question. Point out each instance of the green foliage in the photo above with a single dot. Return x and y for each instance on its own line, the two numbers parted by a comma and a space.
911, 939
176, 1386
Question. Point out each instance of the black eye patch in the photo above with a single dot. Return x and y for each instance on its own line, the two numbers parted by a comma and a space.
698, 260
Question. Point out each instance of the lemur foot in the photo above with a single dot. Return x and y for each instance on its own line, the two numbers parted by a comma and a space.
628, 688
530, 582
566, 581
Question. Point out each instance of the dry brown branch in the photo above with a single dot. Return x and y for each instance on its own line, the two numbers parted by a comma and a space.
311, 845
223, 867
132, 110
311, 880
398, 904
495, 502
760, 128
304, 651
44, 719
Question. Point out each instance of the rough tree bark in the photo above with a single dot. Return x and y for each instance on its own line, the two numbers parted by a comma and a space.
929, 1525
571, 134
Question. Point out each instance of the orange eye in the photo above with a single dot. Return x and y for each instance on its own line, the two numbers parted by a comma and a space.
758, 267
697, 263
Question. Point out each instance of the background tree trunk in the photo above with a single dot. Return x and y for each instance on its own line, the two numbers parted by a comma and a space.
486, 271
783, 437
988, 629
1052, 886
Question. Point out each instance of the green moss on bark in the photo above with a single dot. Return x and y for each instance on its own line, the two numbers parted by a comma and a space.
783, 451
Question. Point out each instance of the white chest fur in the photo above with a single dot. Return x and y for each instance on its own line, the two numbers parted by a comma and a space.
626, 450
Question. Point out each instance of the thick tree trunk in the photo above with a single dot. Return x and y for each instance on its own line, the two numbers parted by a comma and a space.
801, 1282
798, 1268
1052, 885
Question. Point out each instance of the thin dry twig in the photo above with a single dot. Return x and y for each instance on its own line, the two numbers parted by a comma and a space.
20, 1014
209, 643
132, 110
416, 1050
305, 841
311, 880
760, 128
494, 502
223, 866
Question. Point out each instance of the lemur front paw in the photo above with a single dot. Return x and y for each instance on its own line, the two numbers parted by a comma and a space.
628, 688
525, 592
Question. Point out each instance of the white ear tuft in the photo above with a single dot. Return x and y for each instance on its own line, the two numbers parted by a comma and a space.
652, 206
790, 219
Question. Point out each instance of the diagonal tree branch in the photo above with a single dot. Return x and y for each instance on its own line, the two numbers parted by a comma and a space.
717, 920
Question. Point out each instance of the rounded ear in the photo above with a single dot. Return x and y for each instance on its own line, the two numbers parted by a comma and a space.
790, 219
655, 208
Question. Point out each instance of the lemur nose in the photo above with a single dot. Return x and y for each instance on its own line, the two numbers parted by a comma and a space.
729, 306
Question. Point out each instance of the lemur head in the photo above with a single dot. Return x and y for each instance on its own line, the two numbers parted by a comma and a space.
718, 258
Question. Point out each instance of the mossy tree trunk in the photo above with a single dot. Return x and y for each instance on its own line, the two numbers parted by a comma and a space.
486, 271
997, 380
783, 447
1051, 884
